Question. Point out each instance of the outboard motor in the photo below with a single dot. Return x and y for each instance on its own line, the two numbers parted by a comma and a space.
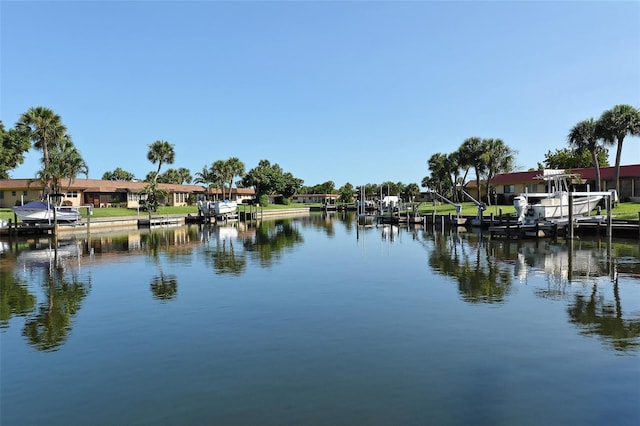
521, 206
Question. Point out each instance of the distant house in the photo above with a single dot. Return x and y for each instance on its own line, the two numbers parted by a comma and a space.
108, 193
507, 185
315, 198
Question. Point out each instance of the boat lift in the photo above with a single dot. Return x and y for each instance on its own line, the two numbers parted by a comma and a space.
446, 200
481, 206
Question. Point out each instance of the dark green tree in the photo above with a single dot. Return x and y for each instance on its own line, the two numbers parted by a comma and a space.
14, 144
345, 193
569, 158
499, 158
161, 152
118, 174
584, 138
614, 125
44, 128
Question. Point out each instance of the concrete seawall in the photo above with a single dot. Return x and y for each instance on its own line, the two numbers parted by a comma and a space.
134, 222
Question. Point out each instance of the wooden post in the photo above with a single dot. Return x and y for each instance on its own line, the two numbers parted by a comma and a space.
570, 229
609, 217
55, 226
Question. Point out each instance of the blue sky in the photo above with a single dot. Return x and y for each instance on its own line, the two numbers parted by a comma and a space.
359, 92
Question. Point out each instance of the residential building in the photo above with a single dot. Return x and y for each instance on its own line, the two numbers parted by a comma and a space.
108, 193
315, 198
507, 185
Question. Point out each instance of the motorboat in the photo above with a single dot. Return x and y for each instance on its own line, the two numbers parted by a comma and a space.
217, 208
43, 212
225, 207
532, 207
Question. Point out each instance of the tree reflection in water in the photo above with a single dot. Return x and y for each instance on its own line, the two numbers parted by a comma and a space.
481, 279
271, 239
223, 256
50, 324
164, 287
484, 269
595, 316
15, 299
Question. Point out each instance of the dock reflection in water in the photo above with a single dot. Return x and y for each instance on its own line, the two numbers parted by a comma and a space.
318, 320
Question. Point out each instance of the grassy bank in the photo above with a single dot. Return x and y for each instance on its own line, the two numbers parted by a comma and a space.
621, 211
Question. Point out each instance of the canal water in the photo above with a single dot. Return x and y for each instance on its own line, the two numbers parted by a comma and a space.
317, 321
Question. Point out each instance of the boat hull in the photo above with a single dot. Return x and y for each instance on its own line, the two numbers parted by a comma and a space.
225, 207
552, 208
39, 212
217, 208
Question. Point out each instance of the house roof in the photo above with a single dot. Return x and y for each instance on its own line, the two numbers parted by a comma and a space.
96, 185
632, 170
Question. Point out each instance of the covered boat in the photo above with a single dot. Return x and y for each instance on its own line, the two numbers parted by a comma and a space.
43, 212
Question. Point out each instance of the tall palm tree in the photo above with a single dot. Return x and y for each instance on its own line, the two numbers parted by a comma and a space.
614, 125
235, 168
66, 162
204, 177
160, 152
43, 127
184, 175
221, 175
471, 152
498, 158
584, 137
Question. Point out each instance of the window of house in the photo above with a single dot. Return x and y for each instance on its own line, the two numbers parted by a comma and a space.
1, 195
13, 193
509, 189
72, 194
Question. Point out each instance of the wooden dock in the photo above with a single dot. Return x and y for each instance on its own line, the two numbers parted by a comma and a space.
160, 221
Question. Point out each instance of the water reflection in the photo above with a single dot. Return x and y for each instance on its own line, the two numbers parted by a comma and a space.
48, 266
594, 315
15, 298
164, 287
480, 276
584, 274
223, 256
271, 240
52, 322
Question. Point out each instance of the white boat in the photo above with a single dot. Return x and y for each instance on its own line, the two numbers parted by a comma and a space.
225, 207
217, 208
554, 204
43, 212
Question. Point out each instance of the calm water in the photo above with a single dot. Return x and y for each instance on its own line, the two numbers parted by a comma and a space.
315, 321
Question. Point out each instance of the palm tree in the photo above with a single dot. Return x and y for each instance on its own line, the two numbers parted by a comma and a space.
161, 152
204, 177
43, 127
584, 137
184, 175
498, 158
235, 168
221, 173
614, 125
471, 152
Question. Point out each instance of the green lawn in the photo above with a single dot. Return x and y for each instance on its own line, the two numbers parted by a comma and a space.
621, 211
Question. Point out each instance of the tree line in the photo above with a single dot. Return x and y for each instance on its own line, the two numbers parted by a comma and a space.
43, 129
587, 147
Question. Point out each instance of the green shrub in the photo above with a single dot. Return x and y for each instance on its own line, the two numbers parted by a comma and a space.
264, 200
